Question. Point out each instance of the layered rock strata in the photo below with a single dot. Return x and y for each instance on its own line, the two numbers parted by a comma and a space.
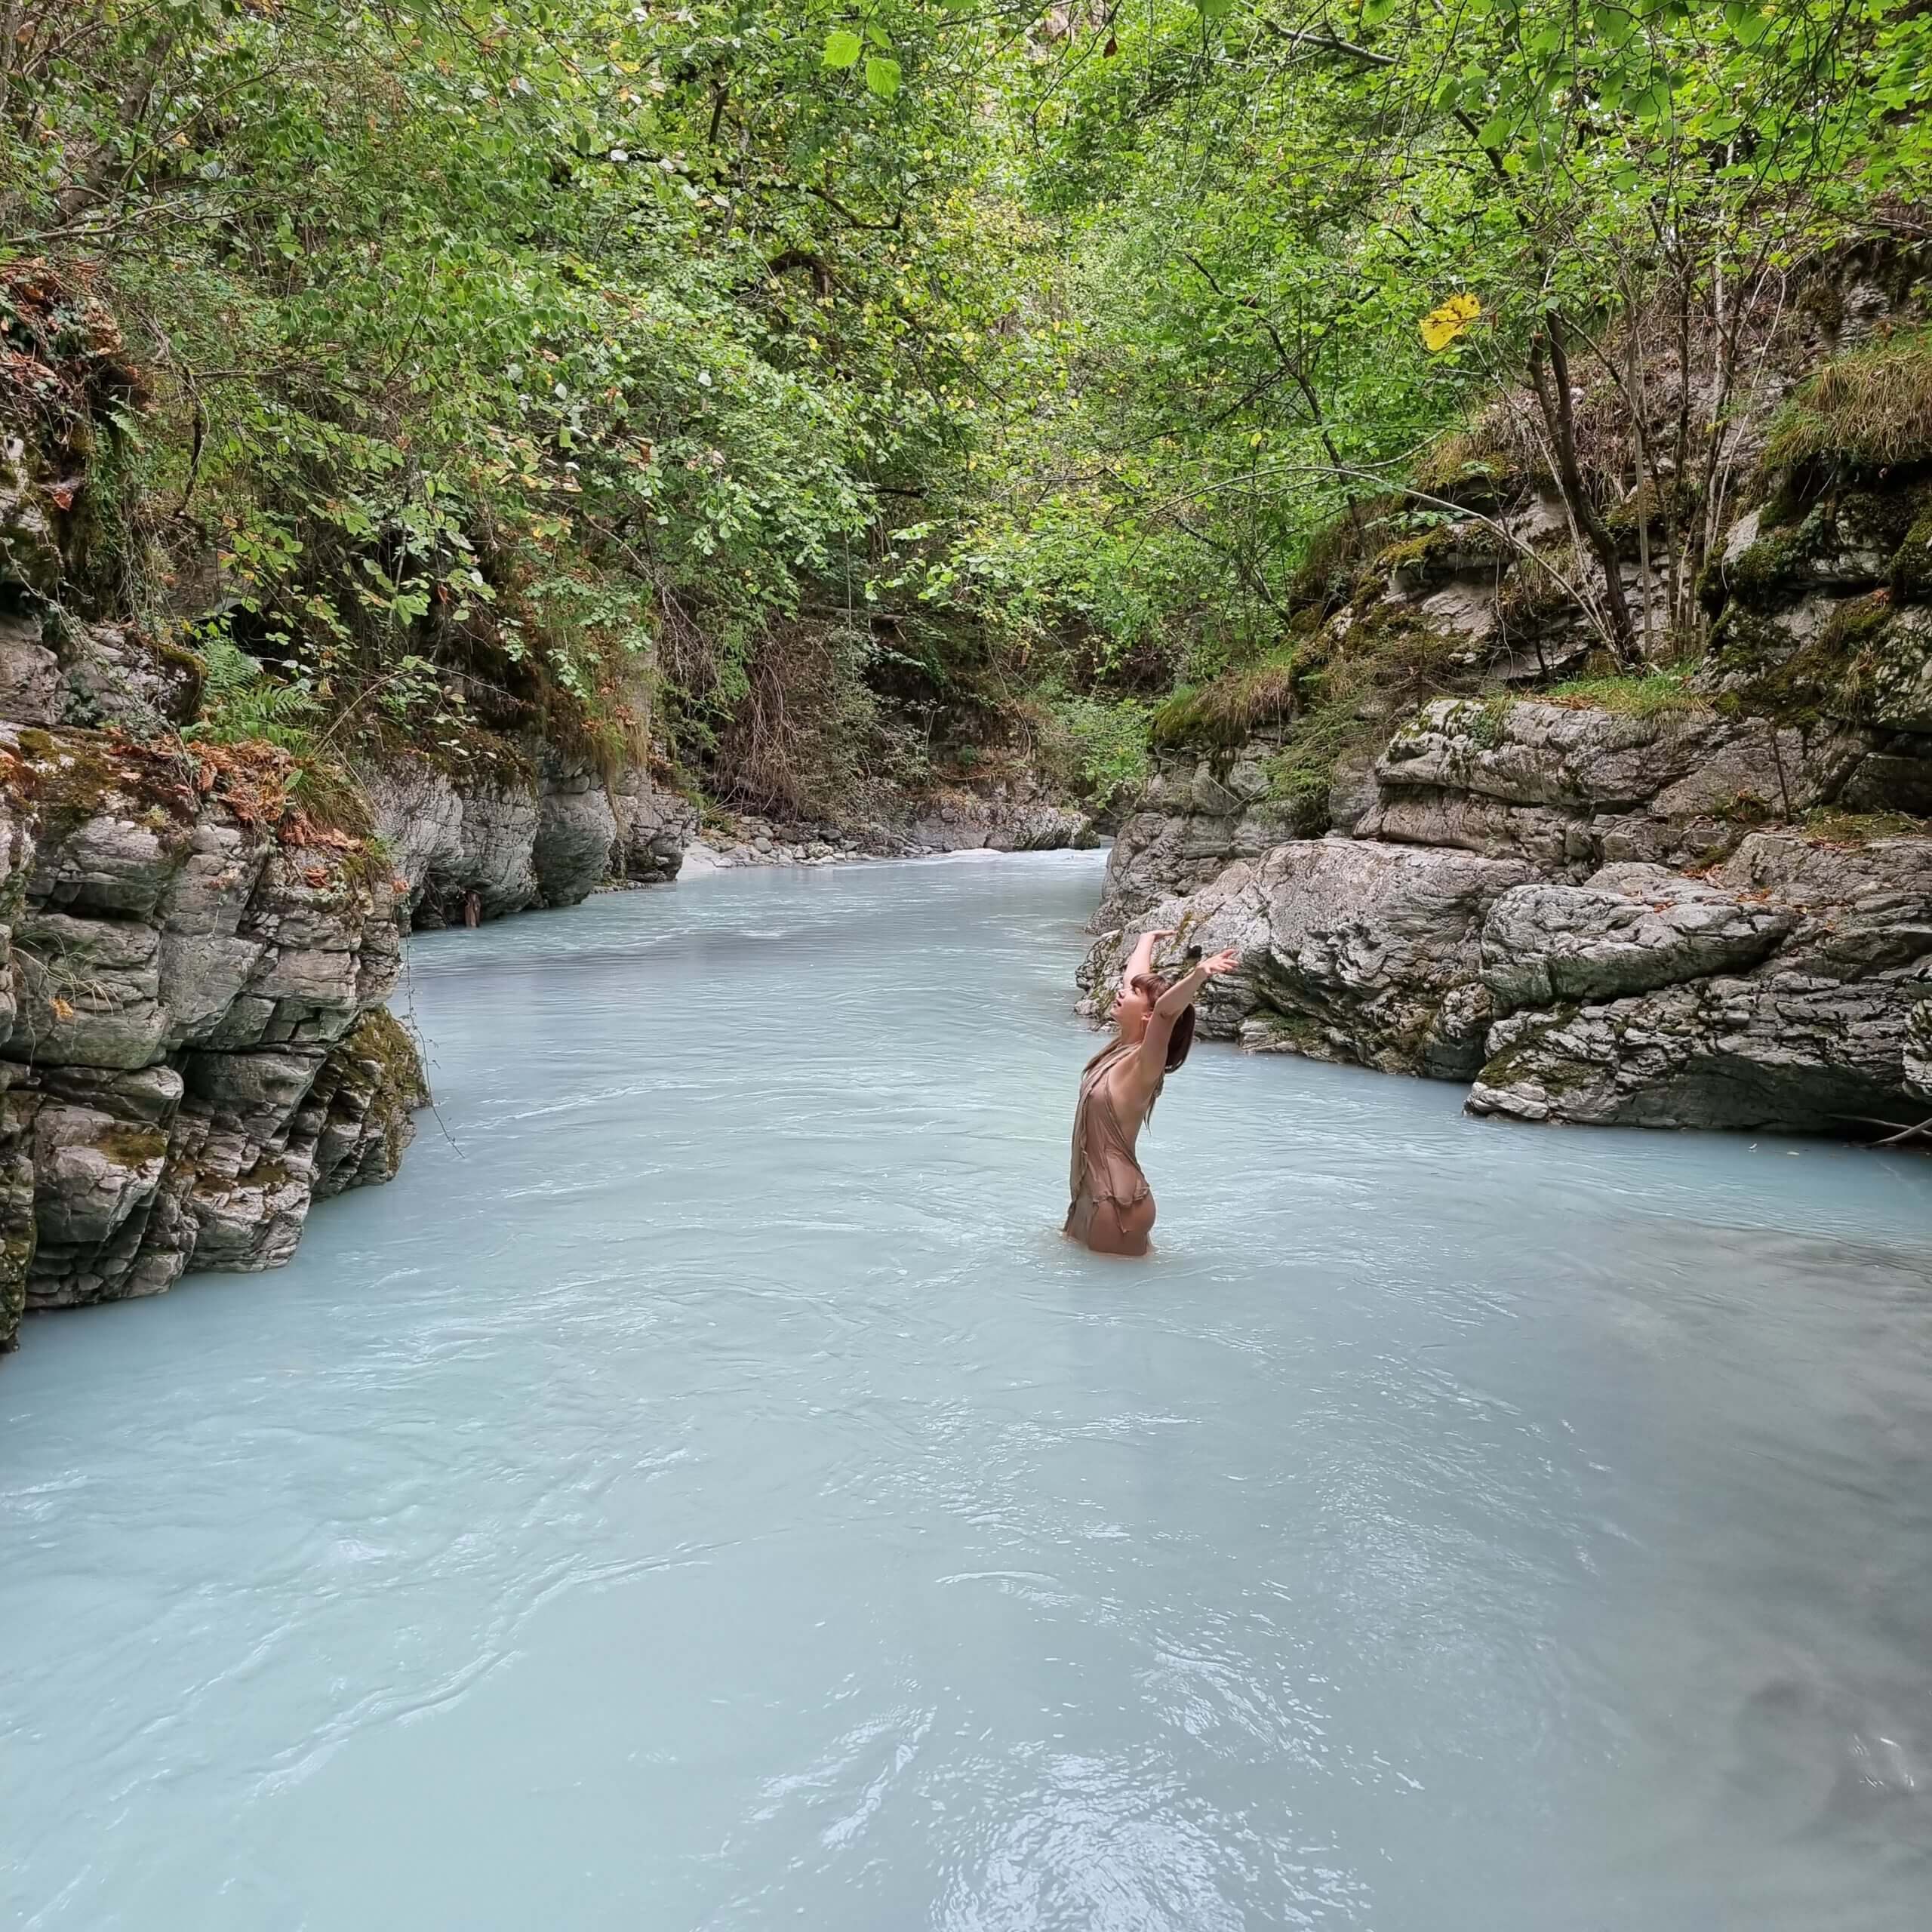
193, 1047
1711, 907
498, 832
1564, 907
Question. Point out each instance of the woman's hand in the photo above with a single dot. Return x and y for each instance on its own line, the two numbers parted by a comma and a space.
1218, 963
1160, 932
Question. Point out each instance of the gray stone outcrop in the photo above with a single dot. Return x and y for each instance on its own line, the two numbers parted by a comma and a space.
499, 833
193, 1047
1349, 950
1705, 911
1197, 814
1572, 787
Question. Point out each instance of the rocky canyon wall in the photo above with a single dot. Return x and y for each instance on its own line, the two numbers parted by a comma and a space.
1701, 898
193, 1043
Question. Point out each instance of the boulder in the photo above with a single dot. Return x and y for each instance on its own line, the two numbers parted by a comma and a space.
1629, 929
1820, 1032
1349, 950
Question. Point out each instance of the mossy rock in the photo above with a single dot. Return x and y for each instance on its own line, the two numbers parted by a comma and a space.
69, 776
1450, 549
1224, 713
1862, 668
1845, 541
1533, 600
1912, 562
380, 1040
129, 1147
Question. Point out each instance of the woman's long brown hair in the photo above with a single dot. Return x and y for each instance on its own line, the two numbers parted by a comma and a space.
1182, 1037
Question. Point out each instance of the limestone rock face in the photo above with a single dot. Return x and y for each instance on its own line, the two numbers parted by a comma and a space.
1629, 929
577, 835
1523, 918
653, 827
1659, 955
1349, 950
500, 834
1196, 815
975, 822
29, 672
1821, 1027
192, 1044
1571, 788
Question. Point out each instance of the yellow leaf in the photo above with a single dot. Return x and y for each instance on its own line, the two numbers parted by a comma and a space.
1440, 327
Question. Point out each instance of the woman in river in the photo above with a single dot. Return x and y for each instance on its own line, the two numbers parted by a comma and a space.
1112, 1210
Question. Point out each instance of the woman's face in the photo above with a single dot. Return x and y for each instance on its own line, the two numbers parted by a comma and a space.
1132, 1011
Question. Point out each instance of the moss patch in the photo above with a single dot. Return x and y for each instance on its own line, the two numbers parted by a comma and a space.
381, 1041
1827, 826
1836, 674
129, 1146
1389, 660
1445, 550
1912, 562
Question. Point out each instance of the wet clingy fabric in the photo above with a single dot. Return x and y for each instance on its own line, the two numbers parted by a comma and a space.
1112, 1207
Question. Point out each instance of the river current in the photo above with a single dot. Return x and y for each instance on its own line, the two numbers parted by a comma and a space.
704, 1492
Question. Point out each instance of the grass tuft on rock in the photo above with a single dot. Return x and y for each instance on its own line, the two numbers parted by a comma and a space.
1870, 409
1655, 694
1828, 826
1229, 710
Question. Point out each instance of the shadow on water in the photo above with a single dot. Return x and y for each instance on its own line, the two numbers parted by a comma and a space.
705, 1491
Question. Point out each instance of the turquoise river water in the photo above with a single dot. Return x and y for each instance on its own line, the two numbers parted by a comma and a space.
704, 1492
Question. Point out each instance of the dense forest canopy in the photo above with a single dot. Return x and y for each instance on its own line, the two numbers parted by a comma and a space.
829, 392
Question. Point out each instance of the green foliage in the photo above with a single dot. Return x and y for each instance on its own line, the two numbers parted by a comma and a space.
1110, 742
242, 704
1229, 709
773, 378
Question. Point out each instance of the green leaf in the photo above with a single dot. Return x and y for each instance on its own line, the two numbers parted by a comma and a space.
1612, 26
842, 47
877, 36
1747, 25
1651, 103
1374, 12
882, 77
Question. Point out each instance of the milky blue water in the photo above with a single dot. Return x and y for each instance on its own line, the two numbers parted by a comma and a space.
704, 1491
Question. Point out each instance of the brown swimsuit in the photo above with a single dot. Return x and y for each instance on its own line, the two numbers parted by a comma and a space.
1112, 1210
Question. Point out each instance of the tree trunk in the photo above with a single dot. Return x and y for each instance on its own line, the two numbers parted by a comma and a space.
1549, 374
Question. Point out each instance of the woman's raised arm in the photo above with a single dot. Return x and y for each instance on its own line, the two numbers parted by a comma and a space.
1151, 1060
1142, 959
1183, 993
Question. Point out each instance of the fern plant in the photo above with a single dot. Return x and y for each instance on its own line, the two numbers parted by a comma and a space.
241, 703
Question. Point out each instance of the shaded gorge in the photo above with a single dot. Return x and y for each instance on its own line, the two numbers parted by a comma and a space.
704, 1491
